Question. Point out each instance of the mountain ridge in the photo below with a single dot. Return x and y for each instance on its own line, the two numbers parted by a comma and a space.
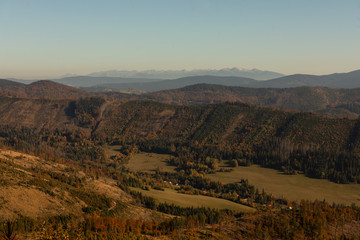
172, 74
336, 80
92, 83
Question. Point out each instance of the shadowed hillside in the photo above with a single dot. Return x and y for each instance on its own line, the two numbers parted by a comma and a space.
50, 113
327, 101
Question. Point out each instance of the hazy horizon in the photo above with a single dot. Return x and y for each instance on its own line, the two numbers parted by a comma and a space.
46, 39
186, 70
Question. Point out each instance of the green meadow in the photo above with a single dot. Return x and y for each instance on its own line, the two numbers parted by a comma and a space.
185, 200
293, 187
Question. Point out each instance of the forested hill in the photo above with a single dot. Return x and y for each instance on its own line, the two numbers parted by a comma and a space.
321, 147
327, 101
40, 89
305, 142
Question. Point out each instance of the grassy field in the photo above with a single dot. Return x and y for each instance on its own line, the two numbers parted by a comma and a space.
112, 150
144, 161
184, 200
149, 162
293, 187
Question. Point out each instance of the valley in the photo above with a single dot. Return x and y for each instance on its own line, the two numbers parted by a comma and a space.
196, 157
292, 187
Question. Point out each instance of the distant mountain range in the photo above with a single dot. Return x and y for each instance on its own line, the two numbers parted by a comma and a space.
172, 84
288, 92
103, 84
337, 80
172, 74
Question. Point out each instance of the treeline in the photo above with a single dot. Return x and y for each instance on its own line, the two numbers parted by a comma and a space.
240, 192
201, 215
307, 220
316, 161
59, 143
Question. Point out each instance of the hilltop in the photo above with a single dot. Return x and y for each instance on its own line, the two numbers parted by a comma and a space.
335, 80
40, 89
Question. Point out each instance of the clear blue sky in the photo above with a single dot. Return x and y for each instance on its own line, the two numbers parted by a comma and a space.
43, 38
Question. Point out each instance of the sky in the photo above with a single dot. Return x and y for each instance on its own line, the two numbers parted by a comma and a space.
49, 38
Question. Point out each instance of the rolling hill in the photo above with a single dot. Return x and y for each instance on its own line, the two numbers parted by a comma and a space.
98, 82
11, 88
41, 89
89, 81
326, 101
177, 83
337, 80
331, 102
267, 136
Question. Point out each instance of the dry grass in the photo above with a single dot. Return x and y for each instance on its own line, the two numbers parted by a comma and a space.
107, 187
31, 202
29, 161
24, 193
21, 195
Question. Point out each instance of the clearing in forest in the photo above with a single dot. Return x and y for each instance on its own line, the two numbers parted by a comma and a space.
184, 200
150, 162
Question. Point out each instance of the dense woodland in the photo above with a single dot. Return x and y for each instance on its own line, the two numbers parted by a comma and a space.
200, 136
327, 101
